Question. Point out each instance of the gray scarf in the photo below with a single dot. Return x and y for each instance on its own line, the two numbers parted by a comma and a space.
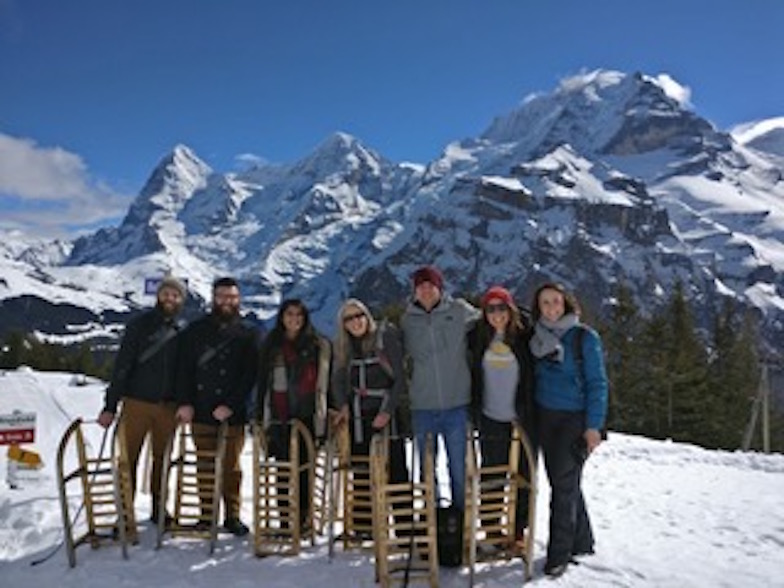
546, 340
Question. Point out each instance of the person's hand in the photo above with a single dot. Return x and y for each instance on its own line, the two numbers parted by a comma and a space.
592, 439
339, 416
222, 413
381, 420
105, 419
185, 413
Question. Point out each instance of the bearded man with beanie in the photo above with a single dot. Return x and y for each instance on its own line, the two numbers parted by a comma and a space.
217, 371
143, 379
435, 328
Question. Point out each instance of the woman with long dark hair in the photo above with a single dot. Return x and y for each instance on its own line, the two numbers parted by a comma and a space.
294, 369
571, 399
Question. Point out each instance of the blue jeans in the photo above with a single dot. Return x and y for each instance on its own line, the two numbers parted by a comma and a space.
451, 425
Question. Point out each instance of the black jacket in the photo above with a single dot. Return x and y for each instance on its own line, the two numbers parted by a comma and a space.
478, 340
146, 364
217, 367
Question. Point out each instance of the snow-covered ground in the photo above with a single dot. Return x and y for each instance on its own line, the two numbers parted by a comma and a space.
665, 514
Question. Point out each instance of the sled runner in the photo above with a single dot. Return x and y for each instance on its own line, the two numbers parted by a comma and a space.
105, 486
355, 491
198, 485
404, 521
491, 503
279, 522
324, 486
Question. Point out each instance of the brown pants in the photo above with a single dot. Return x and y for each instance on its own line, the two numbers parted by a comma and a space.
205, 437
140, 419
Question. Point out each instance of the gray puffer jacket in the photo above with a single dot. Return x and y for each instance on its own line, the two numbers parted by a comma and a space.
436, 343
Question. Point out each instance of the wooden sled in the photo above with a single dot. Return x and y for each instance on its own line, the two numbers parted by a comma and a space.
355, 493
323, 487
198, 485
105, 487
404, 521
491, 503
277, 520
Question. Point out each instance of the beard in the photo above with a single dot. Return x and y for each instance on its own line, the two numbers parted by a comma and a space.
225, 313
169, 308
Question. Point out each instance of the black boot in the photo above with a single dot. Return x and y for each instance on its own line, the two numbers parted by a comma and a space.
236, 527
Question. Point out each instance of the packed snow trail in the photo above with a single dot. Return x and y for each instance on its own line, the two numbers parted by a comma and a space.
665, 515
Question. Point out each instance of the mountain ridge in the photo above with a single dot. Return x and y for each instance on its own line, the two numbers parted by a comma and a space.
609, 179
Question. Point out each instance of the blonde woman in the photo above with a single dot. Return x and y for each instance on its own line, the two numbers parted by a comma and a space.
367, 381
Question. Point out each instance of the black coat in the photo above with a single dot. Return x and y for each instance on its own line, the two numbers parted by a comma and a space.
217, 367
146, 364
478, 341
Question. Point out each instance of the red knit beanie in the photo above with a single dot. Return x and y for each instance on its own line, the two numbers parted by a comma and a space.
428, 273
500, 294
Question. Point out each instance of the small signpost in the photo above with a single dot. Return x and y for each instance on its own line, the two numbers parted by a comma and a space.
151, 285
17, 427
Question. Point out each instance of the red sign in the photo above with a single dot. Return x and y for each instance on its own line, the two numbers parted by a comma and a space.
17, 427
21, 436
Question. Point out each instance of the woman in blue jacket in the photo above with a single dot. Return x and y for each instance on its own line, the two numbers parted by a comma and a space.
571, 402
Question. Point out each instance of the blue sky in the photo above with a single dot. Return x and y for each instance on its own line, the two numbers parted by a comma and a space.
94, 92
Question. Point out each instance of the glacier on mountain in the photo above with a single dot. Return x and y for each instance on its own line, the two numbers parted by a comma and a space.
611, 178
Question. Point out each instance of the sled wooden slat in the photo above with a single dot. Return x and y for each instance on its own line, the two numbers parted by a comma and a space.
491, 504
404, 522
194, 504
278, 525
105, 490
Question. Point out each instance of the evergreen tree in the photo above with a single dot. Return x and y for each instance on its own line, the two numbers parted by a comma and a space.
83, 361
647, 409
733, 377
621, 340
685, 376
14, 350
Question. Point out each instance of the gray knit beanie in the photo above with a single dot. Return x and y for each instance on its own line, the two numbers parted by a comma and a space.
172, 282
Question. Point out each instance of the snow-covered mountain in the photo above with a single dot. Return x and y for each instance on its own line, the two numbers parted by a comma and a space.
609, 178
765, 135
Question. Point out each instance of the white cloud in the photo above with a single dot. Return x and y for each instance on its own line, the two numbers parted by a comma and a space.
675, 90
248, 160
49, 189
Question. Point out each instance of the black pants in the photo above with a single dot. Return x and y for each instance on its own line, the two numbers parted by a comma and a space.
279, 435
570, 527
494, 440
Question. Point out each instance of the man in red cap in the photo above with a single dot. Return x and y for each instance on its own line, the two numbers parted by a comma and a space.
434, 331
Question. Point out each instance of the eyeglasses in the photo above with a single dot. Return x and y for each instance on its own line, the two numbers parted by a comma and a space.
491, 308
350, 317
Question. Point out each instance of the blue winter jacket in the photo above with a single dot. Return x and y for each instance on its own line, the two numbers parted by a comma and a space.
560, 386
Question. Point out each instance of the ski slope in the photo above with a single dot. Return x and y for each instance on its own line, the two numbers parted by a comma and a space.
664, 514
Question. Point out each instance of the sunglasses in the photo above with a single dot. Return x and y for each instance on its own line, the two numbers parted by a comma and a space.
491, 308
350, 317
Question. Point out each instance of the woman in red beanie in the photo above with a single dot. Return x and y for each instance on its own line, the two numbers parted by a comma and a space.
502, 385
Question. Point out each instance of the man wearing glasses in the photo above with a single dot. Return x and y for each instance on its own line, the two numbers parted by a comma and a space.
217, 371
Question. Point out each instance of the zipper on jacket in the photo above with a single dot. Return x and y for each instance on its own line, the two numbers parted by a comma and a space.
435, 362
